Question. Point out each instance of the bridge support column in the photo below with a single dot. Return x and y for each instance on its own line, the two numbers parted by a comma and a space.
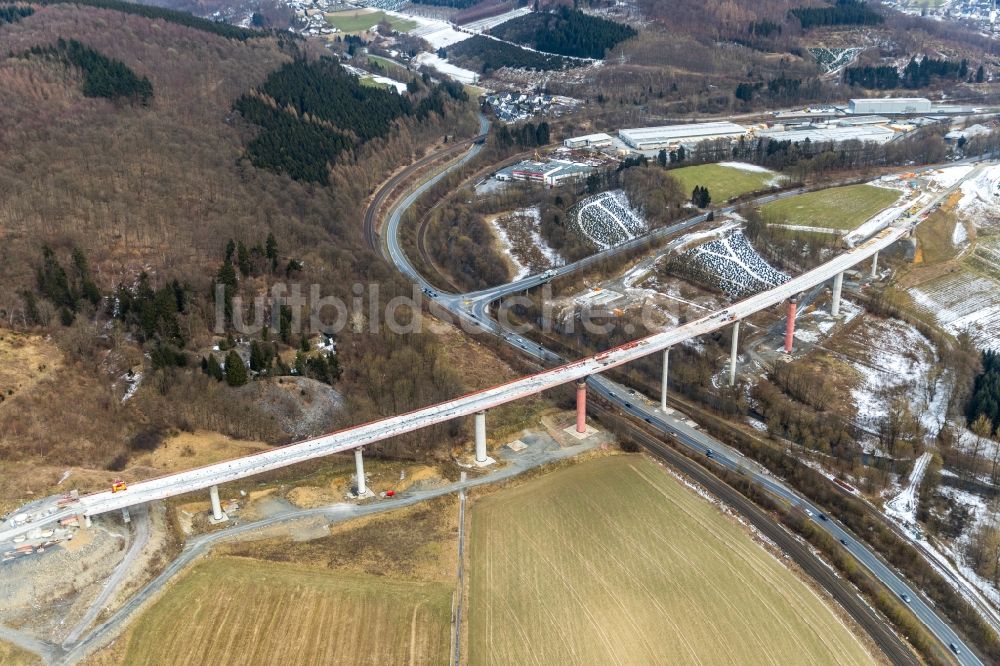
217, 515
838, 286
126, 518
790, 325
87, 522
359, 468
581, 405
874, 265
480, 437
663, 379
733, 354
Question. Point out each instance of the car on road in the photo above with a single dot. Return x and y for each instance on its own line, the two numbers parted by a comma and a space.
904, 596
628, 405
822, 516
647, 419
843, 542
954, 648
709, 453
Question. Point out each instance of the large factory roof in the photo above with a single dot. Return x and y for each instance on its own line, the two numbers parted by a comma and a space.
831, 134
666, 133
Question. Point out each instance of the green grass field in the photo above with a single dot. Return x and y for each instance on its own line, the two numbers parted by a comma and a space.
385, 62
842, 208
361, 20
241, 611
614, 561
723, 182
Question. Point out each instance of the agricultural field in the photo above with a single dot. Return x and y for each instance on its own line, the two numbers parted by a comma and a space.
839, 208
727, 180
11, 655
615, 561
240, 611
963, 301
361, 19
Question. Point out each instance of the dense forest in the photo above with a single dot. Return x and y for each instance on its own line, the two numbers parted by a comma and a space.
311, 112
102, 76
844, 12
985, 400
181, 18
486, 55
14, 14
917, 73
565, 31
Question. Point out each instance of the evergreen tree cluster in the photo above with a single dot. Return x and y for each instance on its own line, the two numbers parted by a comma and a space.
13, 14
985, 398
526, 135
881, 77
252, 261
170, 15
152, 313
700, 196
764, 28
844, 12
486, 55
312, 112
565, 31
916, 74
68, 291
919, 73
102, 76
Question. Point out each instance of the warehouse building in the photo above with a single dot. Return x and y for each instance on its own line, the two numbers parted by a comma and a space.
889, 105
599, 140
657, 138
864, 133
551, 173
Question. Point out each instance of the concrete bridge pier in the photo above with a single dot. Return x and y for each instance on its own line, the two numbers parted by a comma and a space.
481, 438
733, 354
359, 468
217, 515
87, 522
790, 325
874, 265
663, 379
838, 286
126, 518
581, 405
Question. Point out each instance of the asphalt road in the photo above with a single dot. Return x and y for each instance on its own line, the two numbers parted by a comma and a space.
890, 644
475, 306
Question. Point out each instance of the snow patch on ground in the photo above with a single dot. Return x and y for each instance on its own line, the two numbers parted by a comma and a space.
520, 270
949, 175
444, 67
904, 505
899, 357
981, 196
960, 235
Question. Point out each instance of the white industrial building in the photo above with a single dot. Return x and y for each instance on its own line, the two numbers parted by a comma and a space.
551, 172
599, 140
864, 133
657, 138
889, 105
